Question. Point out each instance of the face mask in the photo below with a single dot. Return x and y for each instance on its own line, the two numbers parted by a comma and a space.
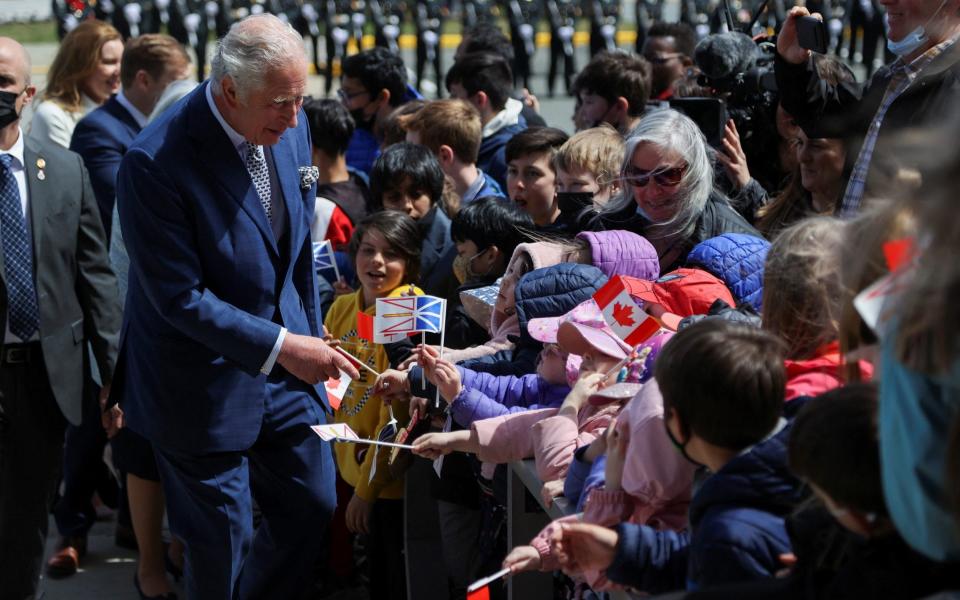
914, 40
681, 448
463, 268
8, 108
572, 202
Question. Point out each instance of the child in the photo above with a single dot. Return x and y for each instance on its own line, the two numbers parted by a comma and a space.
407, 178
588, 167
801, 289
451, 130
386, 251
486, 233
342, 194
531, 176
722, 387
515, 436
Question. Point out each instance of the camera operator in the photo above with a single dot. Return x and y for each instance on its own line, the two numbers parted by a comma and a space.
918, 89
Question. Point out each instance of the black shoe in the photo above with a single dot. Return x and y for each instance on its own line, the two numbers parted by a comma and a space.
136, 584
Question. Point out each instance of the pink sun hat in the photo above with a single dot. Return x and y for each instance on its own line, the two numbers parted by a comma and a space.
580, 329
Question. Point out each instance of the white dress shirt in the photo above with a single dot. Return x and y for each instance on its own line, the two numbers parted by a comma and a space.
279, 212
20, 175
138, 116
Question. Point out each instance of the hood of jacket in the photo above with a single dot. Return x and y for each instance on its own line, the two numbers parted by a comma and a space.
510, 115
554, 291
757, 480
738, 260
620, 252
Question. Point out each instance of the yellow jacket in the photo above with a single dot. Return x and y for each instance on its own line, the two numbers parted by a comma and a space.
364, 413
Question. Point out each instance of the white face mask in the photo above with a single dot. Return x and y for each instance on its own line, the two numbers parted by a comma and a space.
914, 40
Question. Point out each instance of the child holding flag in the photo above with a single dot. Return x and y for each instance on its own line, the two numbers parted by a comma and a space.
385, 250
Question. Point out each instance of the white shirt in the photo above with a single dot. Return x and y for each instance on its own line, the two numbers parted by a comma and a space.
20, 175
138, 116
279, 212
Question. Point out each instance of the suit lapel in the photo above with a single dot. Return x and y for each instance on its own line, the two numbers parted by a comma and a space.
225, 164
39, 193
289, 178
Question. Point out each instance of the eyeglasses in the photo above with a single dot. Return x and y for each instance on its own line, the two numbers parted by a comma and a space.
664, 177
346, 96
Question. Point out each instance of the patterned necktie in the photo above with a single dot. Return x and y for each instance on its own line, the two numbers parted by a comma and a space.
23, 313
257, 166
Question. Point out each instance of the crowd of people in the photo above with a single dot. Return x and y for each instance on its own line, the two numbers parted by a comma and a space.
728, 346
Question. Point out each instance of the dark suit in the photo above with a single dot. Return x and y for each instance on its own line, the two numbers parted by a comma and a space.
101, 138
77, 297
209, 286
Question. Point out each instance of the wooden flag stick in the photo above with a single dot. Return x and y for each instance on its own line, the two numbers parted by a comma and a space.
358, 361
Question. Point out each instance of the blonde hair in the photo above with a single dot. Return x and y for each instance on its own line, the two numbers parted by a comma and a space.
77, 59
598, 150
449, 122
801, 287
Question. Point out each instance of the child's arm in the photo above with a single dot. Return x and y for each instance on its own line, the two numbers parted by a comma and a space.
507, 438
633, 555
433, 445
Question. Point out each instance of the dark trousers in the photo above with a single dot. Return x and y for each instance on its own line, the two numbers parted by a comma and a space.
83, 470
290, 472
384, 546
31, 449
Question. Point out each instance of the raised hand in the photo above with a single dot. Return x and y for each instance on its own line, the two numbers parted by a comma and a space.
311, 360
582, 546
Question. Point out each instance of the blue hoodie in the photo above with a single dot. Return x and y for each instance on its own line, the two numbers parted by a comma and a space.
737, 531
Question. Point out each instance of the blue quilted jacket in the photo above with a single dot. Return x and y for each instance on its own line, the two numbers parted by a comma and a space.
737, 259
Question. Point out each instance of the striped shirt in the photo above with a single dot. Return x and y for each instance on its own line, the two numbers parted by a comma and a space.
903, 74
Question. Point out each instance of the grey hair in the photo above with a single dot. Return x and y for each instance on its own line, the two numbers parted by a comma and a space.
251, 49
670, 130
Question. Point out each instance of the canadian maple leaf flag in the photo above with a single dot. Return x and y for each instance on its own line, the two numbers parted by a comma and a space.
623, 314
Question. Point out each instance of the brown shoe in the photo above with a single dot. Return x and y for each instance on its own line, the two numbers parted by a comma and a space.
66, 559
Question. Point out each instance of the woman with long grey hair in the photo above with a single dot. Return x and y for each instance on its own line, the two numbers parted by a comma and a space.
668, 194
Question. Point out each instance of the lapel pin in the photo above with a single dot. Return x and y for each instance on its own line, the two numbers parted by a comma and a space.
41, 165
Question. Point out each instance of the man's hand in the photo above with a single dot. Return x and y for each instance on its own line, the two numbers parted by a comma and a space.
311, 360
733, 158
522, 558
581, 546
358, 515
111, 418
788, 45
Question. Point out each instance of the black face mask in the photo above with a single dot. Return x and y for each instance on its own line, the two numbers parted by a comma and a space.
8, 108
681, 448
574, 202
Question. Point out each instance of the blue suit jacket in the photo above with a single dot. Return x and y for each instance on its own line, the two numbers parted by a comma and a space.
102, 138
209, 284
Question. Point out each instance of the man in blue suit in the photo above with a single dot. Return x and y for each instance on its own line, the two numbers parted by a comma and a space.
150, 63
221, 358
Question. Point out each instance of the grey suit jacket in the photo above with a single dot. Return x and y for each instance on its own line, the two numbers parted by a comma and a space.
76, 288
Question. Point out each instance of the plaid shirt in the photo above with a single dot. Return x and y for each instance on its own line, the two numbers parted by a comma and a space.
903, 75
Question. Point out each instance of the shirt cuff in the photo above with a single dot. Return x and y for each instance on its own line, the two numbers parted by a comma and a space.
272, 359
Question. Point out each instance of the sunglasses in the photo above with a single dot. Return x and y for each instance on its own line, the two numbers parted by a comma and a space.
664, 177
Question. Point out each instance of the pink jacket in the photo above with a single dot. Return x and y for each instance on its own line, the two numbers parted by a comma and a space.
540, 434
656, 479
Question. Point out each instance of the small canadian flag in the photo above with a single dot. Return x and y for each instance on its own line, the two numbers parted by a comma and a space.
623, 314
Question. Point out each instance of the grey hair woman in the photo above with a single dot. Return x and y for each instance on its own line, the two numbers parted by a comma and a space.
668, 192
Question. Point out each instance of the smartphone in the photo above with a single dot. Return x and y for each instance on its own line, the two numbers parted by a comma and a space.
710, 114
812, 34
